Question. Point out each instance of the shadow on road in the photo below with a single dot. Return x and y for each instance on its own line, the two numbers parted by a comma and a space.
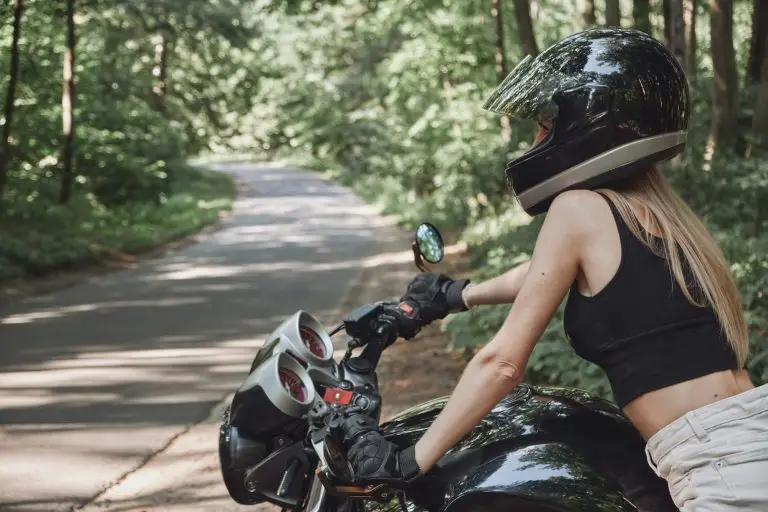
108, 371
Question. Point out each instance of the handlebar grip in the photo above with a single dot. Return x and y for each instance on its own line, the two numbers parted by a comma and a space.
387, 333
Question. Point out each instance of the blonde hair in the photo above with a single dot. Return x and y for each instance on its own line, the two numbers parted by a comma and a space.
684, 238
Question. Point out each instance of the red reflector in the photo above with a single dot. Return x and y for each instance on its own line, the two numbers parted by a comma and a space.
406, 308
337, 396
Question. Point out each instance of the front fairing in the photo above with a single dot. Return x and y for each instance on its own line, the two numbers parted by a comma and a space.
560, 447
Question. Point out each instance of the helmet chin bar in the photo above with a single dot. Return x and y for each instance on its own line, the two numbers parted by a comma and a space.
613, 165
602, 164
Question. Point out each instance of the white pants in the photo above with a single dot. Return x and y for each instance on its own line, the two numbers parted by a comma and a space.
715, 458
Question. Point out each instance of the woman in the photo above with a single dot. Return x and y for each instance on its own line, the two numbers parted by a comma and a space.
649, 295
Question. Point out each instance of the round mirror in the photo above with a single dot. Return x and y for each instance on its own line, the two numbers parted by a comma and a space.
430, 242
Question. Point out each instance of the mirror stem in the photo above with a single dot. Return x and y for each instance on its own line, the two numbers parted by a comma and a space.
418, 261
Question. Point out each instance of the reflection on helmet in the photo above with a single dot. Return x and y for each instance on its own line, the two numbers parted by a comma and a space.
620, 103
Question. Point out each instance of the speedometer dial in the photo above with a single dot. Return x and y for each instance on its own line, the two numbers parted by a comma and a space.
293, 385
312, 342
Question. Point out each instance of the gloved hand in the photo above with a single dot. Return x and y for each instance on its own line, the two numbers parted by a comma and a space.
374, 458
436, 295
406, 316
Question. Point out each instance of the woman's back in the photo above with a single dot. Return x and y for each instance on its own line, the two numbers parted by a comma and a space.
663, 354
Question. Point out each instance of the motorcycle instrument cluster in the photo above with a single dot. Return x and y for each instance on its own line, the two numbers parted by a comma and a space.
305, 339
313, 342
280, 387
276, 392
292, 383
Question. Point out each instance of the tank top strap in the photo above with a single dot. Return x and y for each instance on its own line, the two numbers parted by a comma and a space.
625, 235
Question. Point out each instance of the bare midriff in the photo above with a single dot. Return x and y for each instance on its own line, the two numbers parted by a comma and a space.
653, 411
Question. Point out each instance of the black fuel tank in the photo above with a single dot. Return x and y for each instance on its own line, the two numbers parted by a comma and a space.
540, 449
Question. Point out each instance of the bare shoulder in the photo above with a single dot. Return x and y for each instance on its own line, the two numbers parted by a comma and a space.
578, 199
579, 211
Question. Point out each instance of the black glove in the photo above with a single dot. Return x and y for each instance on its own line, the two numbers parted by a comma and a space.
374, 458
407, 316
436, 295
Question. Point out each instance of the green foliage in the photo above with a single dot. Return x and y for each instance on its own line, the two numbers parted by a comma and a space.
385, 96
155, 81
37, 239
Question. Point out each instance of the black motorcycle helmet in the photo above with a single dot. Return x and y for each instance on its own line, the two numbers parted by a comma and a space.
619, 103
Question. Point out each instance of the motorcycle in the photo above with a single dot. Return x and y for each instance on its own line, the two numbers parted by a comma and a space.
541, 449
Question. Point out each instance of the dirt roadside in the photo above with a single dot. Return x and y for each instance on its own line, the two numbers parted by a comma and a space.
185, 476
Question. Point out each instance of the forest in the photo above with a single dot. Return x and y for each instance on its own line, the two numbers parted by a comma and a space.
106, 101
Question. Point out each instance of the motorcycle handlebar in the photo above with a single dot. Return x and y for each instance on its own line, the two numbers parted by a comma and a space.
386, 334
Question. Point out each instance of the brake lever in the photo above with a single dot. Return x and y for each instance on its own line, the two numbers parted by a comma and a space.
379, 492
330, 481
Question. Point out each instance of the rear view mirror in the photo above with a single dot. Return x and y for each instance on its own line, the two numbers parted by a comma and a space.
427, 245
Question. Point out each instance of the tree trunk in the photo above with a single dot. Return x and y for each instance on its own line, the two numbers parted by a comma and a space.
160, 70
525, 27
665, 9
760, 120
501, 59
689, 20
612, 13
674, 27
589, 13
113, 41
68, 107
501, 54
724, 127
674, 32
760, 132
756, 49
641, 12
10, 97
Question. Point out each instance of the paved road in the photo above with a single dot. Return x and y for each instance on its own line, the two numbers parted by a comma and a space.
96, 378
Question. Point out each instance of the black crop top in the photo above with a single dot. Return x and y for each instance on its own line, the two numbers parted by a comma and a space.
640, 329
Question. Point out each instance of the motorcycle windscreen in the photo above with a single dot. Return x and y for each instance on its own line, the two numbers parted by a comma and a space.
527, 91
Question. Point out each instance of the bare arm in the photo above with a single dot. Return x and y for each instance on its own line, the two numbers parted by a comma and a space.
498, 367
501, 289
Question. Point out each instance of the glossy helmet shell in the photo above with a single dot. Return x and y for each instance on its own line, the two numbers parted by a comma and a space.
619, 101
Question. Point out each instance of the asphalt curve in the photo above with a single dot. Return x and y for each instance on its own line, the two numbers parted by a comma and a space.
96, 378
